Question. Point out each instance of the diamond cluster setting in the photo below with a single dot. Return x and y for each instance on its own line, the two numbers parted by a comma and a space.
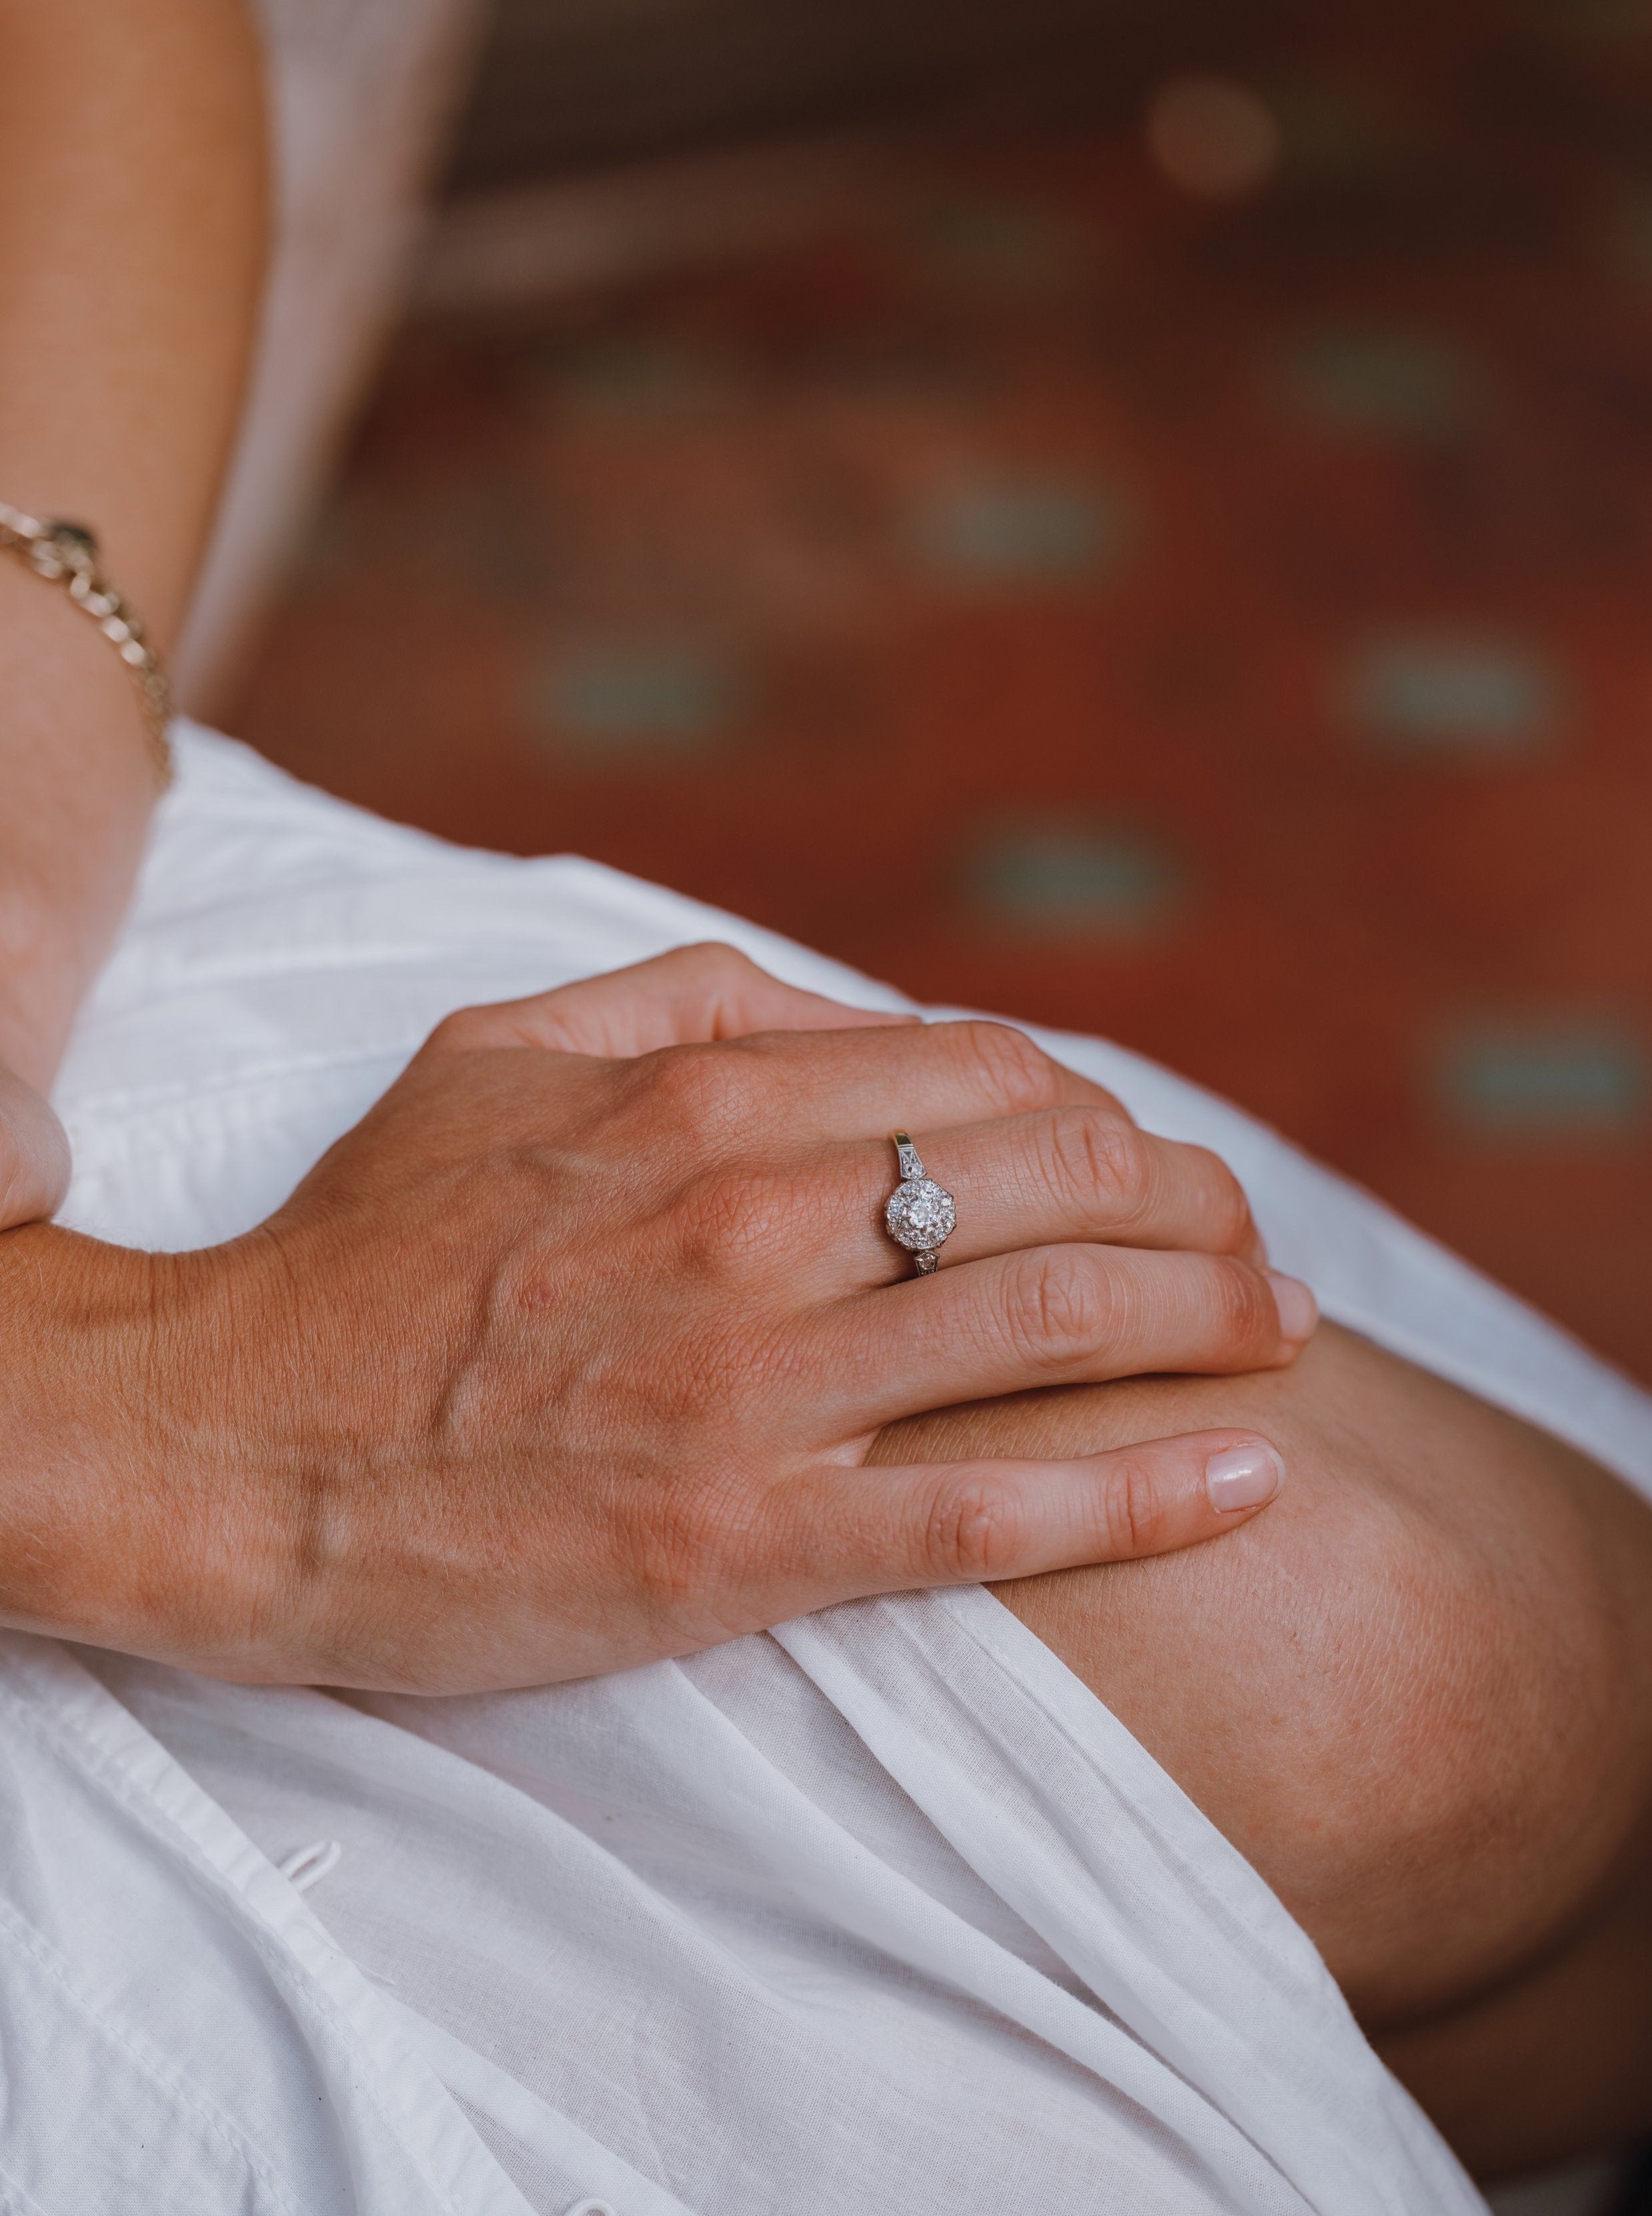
920, 1214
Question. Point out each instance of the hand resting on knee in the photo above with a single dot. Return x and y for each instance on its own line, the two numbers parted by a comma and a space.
568, 1356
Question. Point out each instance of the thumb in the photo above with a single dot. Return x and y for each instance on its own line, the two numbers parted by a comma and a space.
971, 1523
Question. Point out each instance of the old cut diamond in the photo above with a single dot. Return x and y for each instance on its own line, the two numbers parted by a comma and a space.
921, 1214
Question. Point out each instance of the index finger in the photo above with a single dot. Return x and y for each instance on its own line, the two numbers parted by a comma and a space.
692, 996
863, 1085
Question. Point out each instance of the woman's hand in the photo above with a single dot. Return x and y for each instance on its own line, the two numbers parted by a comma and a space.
563, 1362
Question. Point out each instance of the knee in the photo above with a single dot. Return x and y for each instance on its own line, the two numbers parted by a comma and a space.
1415, 1736
1413, 1693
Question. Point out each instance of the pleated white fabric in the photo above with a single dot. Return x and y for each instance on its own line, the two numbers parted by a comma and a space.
881, 1912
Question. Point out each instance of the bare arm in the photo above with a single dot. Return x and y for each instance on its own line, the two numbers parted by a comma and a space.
132, 240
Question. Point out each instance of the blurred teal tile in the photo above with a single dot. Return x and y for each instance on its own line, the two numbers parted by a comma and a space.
1011, 530
1429, 695
1105, 881
640, 697
1555, 1077
1408, 384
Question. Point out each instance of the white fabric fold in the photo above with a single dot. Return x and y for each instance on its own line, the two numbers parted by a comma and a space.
176, 2031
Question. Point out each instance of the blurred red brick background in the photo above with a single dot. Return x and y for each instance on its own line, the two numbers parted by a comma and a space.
1244, 591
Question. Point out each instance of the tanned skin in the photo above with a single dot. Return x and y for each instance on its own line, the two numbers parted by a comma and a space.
1417, 1695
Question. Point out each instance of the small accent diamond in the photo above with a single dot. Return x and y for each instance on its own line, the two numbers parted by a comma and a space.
921, 1214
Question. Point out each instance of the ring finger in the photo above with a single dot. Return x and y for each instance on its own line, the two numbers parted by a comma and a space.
1035, 1180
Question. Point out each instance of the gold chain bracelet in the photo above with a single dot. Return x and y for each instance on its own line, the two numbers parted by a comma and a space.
66, 554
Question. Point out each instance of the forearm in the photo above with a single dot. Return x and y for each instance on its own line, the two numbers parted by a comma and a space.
74, 1426
146, 1502
132, 221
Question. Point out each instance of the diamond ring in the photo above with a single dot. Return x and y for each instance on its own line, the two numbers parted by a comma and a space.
921, 1214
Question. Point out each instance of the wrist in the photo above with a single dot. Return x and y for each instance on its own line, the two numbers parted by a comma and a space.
129, 1514
75, 1461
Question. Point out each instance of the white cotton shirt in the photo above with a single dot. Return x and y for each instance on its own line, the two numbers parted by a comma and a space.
880, 1911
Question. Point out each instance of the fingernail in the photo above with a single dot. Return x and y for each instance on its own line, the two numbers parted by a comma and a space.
1298, 1309
1244, 1477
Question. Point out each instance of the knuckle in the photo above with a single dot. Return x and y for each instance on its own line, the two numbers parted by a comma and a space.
684, 1081
975, 1531
1095, 1155
713, 962
464, 1032
730, 1217
702, 1093
1246, 1319
694, 1542
1226, 1209
1059, 1307
1132, 1513
1016, 1074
